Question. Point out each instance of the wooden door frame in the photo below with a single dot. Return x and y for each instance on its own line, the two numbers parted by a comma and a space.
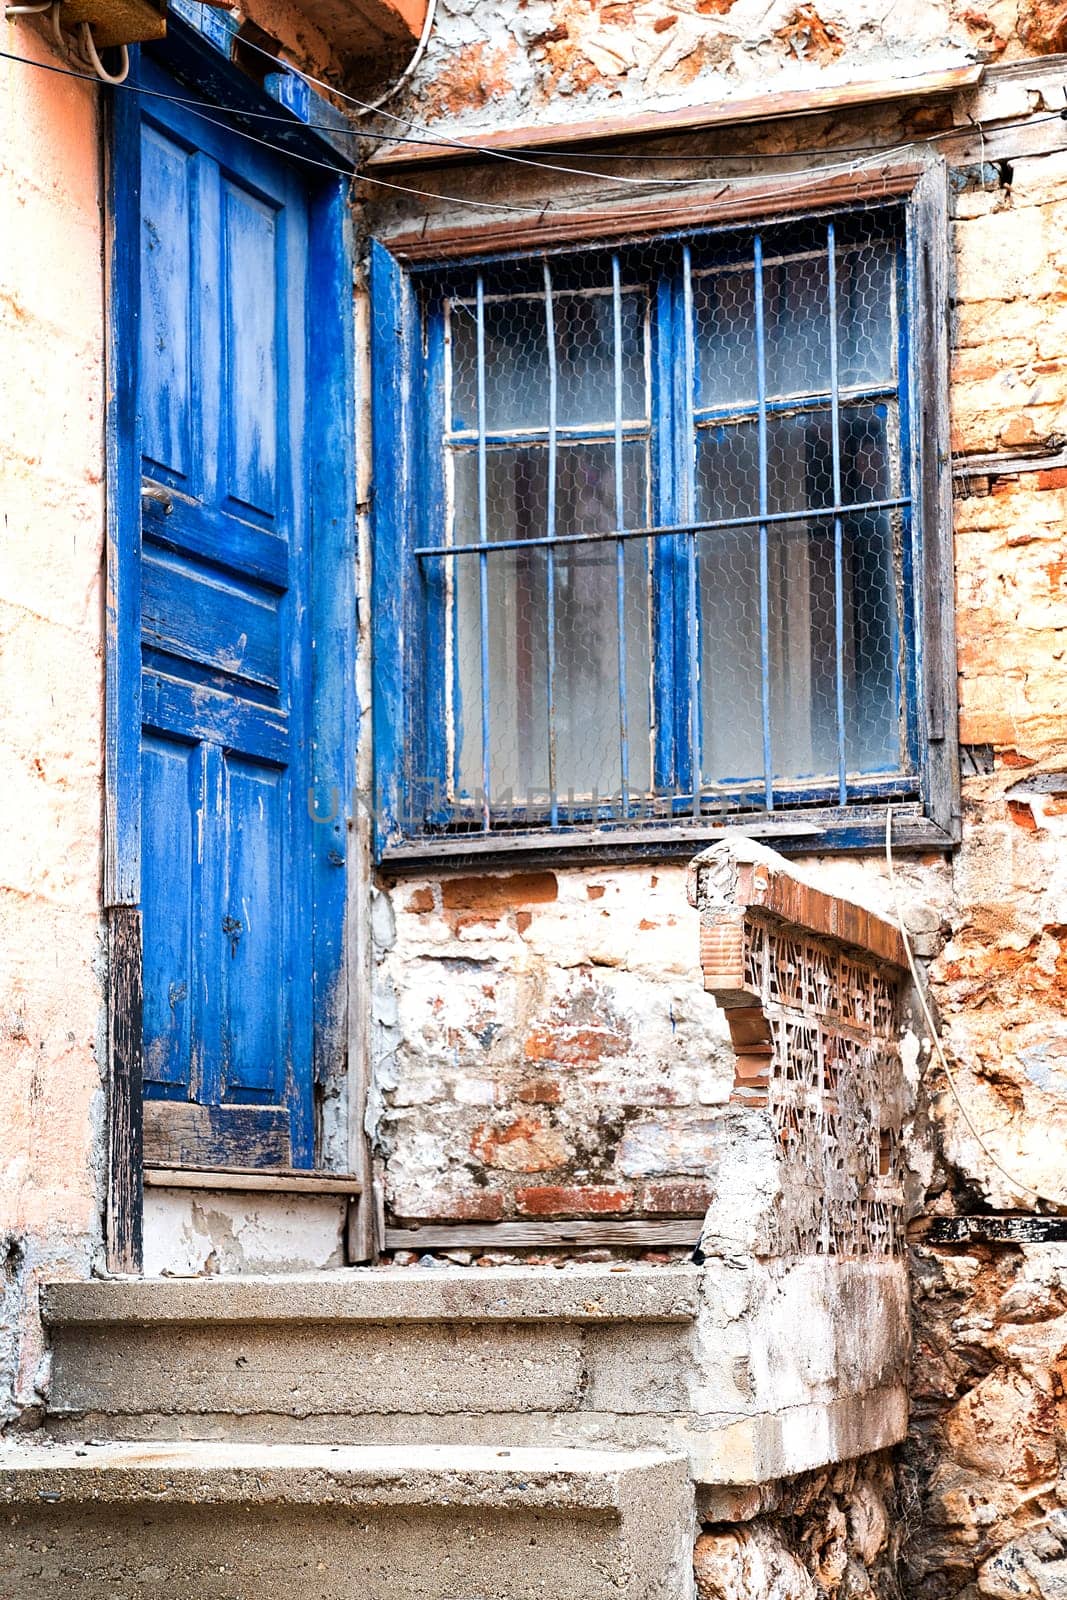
332, 534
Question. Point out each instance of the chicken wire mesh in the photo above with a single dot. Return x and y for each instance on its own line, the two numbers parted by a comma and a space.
663, 546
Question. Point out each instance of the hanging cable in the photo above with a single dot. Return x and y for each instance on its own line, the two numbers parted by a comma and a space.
426, 136
872, 153
88, 45
412, 66
935, 1039
861, 152
90, 56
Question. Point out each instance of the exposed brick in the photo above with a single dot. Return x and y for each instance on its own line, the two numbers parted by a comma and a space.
525, 1145
552, 1201
420, 901
498, 895
479, 1205
1043, 26
676, 1199
1022, 815
1052, 478
573, 1047
541, 1092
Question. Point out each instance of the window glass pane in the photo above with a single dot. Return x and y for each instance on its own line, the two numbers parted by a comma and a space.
516, 361
799, 462
724, 319
796, 306
587, 720
873, 735
796, 325
802, 650
866, 315
728, 571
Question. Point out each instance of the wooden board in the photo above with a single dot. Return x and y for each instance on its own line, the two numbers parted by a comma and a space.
125, 1126
249, 1181
679, 1232
178, 1134
721, 113
708, 204
989, 1230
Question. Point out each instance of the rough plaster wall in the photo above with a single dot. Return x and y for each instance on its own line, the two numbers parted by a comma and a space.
51, 694
533, 61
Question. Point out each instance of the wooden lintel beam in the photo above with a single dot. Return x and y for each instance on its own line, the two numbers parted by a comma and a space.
722, 113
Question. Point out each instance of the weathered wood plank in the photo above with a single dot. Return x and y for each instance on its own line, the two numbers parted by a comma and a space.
998, 464
125, 1123
722, 113
929, 245
250, 1181
634, 1235
715, 201
989, 1230
178, 1134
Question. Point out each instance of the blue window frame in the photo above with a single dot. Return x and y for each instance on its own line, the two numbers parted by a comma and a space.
649, 540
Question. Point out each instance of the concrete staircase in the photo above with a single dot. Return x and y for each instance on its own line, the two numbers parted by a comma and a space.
499, 1434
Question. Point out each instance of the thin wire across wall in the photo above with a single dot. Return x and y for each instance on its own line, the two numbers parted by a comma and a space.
823, 170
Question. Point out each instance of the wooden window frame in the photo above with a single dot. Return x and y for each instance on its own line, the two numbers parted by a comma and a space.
931, 822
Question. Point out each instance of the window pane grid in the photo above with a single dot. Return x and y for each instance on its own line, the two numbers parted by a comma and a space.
783, 527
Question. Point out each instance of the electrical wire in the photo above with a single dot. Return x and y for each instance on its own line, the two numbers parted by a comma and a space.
412, 66
194, 106
92, 55
829, 169
279, 150
528, 159
935, 1039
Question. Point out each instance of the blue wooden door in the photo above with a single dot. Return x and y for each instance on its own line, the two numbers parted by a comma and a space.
226, 873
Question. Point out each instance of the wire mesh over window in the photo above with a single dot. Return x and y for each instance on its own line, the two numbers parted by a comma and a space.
662, 551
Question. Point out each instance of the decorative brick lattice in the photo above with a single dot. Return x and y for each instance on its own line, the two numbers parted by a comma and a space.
811, 985
832, 1086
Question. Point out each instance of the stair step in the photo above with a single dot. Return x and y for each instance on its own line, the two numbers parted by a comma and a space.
510, 1356
598, 1293
408, 1523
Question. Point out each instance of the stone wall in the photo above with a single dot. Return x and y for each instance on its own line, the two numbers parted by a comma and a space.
834, 1534
544, 1046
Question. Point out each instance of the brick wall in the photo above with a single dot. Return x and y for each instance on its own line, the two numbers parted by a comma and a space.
545, 1046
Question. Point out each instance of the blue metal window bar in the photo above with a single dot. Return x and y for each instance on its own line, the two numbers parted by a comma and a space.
619, 280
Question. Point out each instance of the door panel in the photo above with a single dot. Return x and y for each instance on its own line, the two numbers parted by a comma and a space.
226, 647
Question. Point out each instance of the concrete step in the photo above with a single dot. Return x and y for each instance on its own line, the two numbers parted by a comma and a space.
478, 1356
181, 1521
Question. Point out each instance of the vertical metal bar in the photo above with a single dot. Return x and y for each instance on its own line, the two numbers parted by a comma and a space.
620, 548
764, 582
550, 554
696, 753
839, 563
483, 559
